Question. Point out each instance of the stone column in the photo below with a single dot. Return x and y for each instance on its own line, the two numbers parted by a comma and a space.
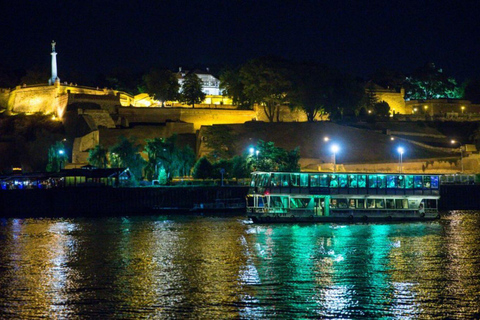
54, 77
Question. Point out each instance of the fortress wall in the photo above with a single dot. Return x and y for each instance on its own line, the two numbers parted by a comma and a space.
442, 106
34, 99
4, 96
394, 99
208, 117
286, 115
100, 117
196, 116
149, 115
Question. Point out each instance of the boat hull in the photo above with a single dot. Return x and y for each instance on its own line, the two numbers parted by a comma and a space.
348, 218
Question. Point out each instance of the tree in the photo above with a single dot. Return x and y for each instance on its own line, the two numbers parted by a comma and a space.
162, 84
57, 157
203, 169
191, 91
266, 82
345, 95
429, 82
271, 158
125, 154
310, 89
98, 157
164, 154
233, 87
221, 139
382, 109
240, 167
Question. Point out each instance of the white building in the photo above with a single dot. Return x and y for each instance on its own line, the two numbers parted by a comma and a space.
211, 85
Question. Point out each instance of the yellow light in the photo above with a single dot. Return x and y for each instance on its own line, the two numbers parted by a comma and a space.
415, 109
426, 107
392, 138
453, 141
326, 138
369, 111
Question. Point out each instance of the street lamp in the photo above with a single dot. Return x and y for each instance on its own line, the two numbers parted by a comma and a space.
401, 151
335, 149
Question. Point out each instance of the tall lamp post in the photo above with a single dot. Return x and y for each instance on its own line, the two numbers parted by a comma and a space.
400, 152
335, 149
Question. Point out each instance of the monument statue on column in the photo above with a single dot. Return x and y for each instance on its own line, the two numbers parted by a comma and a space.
54, 77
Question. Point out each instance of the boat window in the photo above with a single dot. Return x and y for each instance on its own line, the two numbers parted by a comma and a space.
401, 203
352, 181
379, 203
333, 203
278, 202
351, 203
276, 180
434, 183
296, 203
362, 181
408, 182
390, 203
417, 182
342, 180
371, 203
342, 203
413, 203
299, 179
372, 181
333, 181
382, 181
261, 201
250, 202
303, 179
314, 180
295, 179
427, 182
280, 179
324, 181
391, 182
431, 203
400, 182
360, 203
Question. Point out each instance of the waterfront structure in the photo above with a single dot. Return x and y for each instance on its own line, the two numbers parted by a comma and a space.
321, 197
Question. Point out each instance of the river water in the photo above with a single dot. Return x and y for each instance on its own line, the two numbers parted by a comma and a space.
219, 268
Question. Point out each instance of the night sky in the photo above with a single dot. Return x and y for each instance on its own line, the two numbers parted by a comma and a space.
357, 37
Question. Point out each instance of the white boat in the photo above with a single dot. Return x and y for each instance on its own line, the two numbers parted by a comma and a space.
332, 197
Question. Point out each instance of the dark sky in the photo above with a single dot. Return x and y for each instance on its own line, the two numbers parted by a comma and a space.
357, 37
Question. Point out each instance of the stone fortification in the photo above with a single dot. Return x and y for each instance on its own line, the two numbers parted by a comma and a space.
198, 117
53, 99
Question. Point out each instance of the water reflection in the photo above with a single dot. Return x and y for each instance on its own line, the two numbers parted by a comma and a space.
161, 267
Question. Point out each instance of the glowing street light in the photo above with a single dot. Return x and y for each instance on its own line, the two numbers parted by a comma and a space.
326, 139
61, 152
251, 150
335, 148
401, 151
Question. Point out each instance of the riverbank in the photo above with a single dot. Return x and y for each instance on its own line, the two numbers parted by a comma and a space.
104, 201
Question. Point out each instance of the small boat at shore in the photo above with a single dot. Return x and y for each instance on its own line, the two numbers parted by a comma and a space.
342, 197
